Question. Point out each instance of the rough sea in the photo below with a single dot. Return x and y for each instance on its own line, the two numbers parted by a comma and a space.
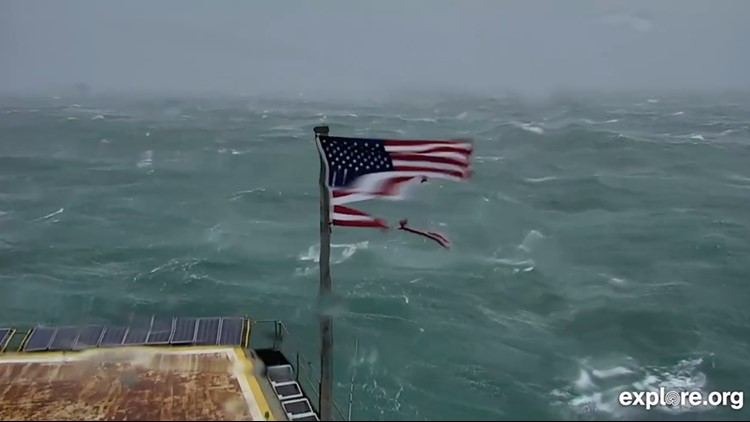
602, 244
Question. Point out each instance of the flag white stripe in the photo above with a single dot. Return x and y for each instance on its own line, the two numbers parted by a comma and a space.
429, 164
374, 182
427, 147
350, 217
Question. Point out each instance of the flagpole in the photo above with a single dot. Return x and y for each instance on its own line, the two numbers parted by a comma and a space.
326, 321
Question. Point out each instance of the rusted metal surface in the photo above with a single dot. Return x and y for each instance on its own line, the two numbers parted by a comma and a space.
123, 385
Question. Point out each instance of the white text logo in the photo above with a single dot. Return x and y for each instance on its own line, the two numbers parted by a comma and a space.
669, 398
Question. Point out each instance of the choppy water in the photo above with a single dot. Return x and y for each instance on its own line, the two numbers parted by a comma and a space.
602, 244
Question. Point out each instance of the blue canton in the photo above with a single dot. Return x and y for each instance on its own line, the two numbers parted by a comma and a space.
351, 158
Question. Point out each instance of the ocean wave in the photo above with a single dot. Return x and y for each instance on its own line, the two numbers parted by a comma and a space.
596, 387
339, 252
528, 127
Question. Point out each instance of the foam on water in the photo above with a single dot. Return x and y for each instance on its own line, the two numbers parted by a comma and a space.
146, 159
596, 388
52, 214
528, 127
339, 252
540, 179
532, 239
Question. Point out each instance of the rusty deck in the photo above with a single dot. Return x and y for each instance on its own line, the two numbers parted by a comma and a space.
131, 384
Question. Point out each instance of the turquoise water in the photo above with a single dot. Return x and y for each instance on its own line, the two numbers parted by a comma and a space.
602, 244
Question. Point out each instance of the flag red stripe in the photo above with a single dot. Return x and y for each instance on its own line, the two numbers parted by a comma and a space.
340, 214
359, 223
428, 158
420, 142
340, 209
456, 173
453, 149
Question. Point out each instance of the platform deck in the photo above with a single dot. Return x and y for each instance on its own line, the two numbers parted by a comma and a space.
132, 383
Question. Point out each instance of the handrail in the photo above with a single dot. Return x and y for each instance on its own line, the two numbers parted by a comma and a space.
303, 372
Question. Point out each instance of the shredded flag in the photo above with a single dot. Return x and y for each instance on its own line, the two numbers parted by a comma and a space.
437, 237
359, 169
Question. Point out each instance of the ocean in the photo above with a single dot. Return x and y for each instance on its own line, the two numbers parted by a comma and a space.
600, 246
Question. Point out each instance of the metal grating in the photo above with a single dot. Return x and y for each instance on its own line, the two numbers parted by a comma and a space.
289, 390
308, 417
231, 331
65, 338
208, 331
113, 336
89, 337
184, 331
161, 330
40, 339
297, 407
280, 373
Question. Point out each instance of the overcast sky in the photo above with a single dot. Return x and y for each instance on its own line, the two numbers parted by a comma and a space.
353, 46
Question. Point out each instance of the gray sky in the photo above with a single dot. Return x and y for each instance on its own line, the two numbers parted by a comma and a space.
350, 46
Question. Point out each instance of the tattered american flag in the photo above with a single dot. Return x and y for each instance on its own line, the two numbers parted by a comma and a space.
359, 169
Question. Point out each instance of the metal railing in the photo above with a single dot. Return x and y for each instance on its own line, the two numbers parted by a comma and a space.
306, 376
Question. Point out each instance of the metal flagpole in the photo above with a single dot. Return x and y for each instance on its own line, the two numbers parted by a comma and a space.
326, 321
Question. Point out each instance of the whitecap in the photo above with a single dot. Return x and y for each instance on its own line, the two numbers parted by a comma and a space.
598, 389
533, 129
60, 211
97, 117
584, 381
532, 238
483, 158
540, 179
146, 159
611, 372
678, 113
347, 251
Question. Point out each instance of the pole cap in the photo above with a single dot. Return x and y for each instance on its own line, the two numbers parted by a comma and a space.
321, 130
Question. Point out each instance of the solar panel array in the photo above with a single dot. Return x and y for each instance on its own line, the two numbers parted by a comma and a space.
225, 331
4, 337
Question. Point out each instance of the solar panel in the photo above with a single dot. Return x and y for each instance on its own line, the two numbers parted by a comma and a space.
184, 331
231, 331
89, 337
113, 336
4, 337
40, 339
65, 338
208, 331
136, 336
161, 330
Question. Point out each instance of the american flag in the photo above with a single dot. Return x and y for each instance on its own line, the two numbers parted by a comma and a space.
359, 169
